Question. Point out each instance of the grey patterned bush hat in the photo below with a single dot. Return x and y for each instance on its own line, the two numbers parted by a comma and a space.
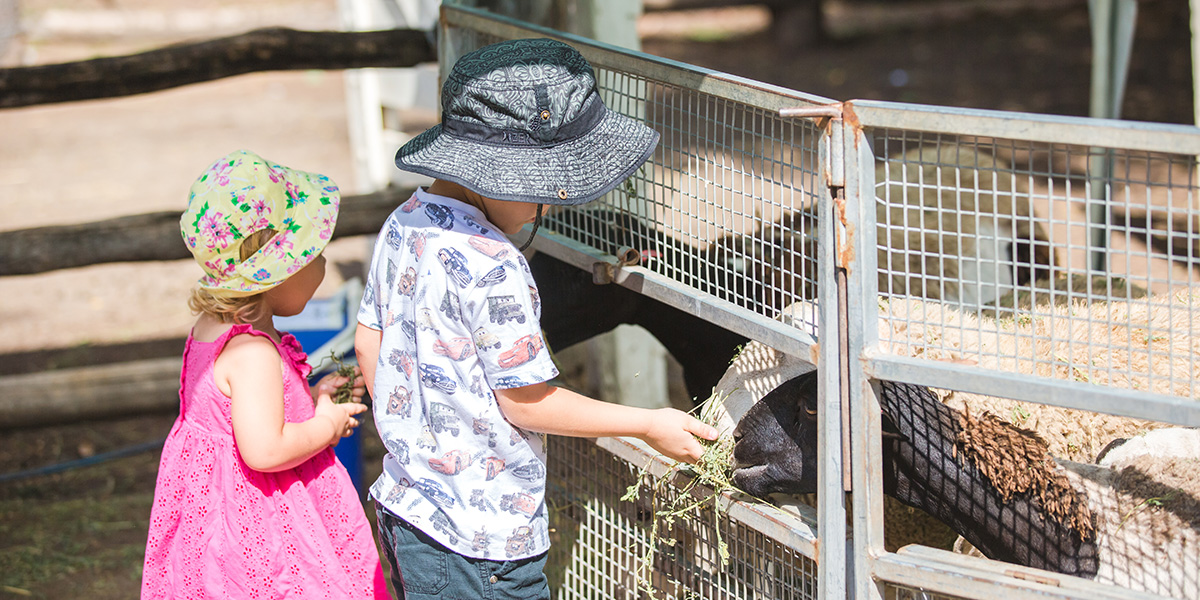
522, 120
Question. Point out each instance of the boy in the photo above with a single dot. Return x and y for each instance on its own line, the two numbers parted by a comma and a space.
448, 335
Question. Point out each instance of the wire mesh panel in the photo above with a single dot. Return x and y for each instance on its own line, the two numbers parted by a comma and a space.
1028, 264
721, 214
604, 546
1059, 261
1040, 259
725, 207
726, 204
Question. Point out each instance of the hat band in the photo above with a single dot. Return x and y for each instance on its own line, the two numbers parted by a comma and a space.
586, 121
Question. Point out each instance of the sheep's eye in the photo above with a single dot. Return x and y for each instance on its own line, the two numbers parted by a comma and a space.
810, 406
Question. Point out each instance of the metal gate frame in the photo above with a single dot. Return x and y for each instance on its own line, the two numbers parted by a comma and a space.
925, 569
846, 287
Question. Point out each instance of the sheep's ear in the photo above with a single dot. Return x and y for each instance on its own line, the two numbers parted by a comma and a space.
1113, 445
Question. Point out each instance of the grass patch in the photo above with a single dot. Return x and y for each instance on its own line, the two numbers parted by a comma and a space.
86, 547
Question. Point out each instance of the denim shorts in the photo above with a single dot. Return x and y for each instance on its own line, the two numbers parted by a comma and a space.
423, 568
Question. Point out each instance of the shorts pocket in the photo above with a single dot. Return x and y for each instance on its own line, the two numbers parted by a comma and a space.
424, 566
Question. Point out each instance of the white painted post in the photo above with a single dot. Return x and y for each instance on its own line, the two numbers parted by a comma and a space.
10, 27
633, 362
1112, 42
371, 92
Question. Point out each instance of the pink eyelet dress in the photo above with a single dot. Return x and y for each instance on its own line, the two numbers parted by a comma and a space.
219, 529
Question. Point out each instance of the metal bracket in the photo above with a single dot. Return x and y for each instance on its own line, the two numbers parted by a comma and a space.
606, 272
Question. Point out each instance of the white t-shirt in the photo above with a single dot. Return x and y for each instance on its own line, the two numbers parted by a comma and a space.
460, 316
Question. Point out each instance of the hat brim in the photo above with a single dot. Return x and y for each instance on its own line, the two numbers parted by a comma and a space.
566, 174
304, 232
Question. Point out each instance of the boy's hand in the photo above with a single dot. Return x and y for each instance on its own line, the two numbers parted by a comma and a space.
673, 433
342, 416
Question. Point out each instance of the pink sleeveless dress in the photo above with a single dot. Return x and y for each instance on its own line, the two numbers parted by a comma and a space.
219, 529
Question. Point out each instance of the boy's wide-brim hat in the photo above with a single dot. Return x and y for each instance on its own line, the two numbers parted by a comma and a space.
522, 120
243, 193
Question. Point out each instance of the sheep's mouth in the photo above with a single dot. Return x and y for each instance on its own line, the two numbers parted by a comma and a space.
749, 470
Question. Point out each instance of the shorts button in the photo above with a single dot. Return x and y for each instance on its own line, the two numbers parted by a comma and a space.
562, 194
494, 579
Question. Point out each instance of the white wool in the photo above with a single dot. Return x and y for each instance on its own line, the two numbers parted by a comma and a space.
754, 372
1142, 544
1170, 442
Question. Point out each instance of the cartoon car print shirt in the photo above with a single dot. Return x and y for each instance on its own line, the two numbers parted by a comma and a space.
460, 316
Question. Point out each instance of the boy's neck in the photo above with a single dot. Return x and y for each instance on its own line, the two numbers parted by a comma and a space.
449, 189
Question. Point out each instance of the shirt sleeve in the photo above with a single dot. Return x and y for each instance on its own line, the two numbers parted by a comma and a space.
377, 289
503, 312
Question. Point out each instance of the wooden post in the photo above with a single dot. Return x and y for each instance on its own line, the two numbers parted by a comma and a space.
104, 391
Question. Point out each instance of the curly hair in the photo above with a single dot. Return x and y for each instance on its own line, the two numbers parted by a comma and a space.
243, 309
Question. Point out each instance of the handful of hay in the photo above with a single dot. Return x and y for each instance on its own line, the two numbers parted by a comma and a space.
713, 470
344, 392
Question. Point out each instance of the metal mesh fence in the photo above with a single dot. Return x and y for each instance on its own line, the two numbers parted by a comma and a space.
1064, 262
1039, 259
725, 205
606, 547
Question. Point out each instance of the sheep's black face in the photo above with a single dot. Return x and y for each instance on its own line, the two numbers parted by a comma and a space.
776, 442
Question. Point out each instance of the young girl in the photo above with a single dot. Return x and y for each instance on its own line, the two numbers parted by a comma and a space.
250, 500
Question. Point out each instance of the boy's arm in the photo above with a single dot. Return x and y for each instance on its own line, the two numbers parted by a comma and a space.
367, 342
548, 409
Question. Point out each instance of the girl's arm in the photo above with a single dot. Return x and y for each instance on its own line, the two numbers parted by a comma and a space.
250, 372
548, 409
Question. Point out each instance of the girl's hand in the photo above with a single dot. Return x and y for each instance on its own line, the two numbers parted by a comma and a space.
333, 382
674, 432
342, 416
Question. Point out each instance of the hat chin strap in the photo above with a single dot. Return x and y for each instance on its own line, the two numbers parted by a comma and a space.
537, 222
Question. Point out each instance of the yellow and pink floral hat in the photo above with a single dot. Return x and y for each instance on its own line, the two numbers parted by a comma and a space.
243, 193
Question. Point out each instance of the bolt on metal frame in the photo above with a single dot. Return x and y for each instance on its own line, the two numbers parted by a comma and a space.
750, 176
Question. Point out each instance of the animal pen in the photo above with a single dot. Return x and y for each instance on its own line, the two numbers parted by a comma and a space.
1047, 260
863, 216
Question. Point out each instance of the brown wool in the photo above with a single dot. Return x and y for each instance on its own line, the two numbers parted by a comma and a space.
1017, 462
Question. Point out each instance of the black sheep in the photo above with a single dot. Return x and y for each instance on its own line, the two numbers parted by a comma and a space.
575, 309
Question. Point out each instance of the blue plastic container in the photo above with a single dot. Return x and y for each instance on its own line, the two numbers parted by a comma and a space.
325, 326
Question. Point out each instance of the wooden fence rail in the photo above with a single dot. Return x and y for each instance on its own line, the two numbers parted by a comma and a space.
102, 391
153, 236
270, 49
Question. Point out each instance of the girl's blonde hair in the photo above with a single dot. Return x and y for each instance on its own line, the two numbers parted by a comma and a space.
245, 309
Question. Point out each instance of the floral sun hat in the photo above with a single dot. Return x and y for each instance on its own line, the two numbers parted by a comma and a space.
523, 120
242, 193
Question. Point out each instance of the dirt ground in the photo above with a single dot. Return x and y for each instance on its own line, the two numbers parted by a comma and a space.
82, 532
